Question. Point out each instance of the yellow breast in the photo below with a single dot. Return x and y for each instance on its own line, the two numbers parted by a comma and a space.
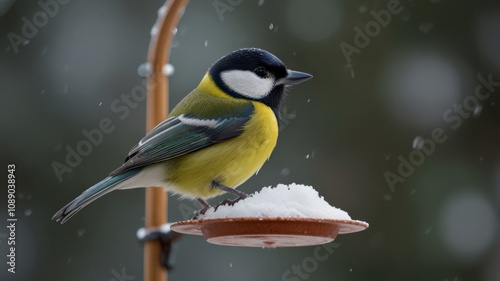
230, 162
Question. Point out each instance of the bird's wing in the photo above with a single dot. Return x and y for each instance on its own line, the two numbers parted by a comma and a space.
180, 135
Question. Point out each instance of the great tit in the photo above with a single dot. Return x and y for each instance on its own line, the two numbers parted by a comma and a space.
214, 140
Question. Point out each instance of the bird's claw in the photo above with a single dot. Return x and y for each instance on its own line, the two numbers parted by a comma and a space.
199, 213
226, 202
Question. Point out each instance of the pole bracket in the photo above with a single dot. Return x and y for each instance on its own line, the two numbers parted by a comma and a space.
169, 241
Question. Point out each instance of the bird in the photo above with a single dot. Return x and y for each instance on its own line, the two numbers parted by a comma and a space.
215, 138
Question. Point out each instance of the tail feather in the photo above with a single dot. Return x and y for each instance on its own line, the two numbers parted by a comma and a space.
90, 195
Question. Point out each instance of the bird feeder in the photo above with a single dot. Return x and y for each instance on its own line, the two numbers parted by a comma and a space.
269, 232
285, 216
266, 230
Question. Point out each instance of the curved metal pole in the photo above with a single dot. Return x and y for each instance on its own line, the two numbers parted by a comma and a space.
157, 111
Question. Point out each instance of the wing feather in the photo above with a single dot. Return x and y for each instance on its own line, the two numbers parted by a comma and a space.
180, 135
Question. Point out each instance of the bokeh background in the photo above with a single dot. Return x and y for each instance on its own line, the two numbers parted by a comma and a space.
345, 130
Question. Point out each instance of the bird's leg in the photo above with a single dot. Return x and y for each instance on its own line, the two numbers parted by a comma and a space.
240, 194
205, 205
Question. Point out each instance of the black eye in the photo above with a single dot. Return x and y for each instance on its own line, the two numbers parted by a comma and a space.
261, 71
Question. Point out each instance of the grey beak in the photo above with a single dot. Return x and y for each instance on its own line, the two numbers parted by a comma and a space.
296, 77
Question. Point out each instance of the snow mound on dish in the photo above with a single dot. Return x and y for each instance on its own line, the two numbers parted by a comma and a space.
282, 201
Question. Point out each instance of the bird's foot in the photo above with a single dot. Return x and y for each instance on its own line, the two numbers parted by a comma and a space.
201, 212
228, 202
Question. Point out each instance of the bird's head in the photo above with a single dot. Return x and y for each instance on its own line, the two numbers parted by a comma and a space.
255, 74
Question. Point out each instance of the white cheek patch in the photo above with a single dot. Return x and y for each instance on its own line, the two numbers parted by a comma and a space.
247, 83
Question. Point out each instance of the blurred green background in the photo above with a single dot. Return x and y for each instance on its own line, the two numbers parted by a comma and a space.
346, 131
